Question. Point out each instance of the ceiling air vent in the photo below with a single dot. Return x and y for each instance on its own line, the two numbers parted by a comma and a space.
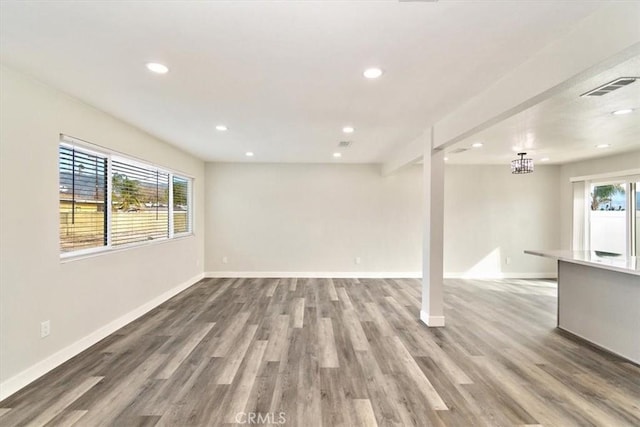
344, 143
610, 87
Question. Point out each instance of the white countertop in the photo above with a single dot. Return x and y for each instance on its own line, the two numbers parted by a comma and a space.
630, 265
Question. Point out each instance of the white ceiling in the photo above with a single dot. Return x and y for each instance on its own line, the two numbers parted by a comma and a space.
285, 77
565, 127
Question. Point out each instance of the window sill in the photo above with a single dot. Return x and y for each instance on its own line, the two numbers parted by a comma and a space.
71, 256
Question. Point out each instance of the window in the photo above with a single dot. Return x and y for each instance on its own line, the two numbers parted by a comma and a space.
83, 197
139, 203
606, 217
636, 190
109, 201
181, 205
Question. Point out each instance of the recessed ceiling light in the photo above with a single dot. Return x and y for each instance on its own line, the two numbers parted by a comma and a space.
249, 154
221, 128
372, 73
157, 68
603, 145
621, 112
337, 155
348, 129
544, 159
477, 145
446, 158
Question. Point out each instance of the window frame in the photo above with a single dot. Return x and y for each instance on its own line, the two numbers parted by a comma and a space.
93, 149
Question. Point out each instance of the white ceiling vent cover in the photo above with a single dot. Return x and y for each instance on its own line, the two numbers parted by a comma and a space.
344, 144
610, 87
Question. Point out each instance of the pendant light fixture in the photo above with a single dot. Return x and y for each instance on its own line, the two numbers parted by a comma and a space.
521, 165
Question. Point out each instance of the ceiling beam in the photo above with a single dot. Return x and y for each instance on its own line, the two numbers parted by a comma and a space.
407, 154
607, 37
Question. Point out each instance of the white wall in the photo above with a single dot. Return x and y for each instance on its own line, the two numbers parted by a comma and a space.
288, 218
491, 214
620, 162
81, 296
312, 218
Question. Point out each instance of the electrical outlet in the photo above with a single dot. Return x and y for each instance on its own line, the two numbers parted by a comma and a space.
358, 260
45, 328
507, 260
225, 260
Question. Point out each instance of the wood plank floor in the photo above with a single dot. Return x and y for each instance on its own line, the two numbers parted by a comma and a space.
338, 352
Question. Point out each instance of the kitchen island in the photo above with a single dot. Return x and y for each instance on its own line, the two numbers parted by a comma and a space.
599, 299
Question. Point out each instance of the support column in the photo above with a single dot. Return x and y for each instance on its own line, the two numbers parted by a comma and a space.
432, 313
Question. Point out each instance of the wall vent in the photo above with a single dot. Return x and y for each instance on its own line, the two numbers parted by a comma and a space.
610, 87
344, 143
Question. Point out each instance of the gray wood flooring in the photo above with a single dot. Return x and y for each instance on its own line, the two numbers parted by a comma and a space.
338, 352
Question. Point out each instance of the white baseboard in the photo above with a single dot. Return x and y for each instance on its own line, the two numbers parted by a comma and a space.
371, 275
321, 274
431, 321
15, 383
552, 275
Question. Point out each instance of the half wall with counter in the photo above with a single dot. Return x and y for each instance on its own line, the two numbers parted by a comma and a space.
599, 299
